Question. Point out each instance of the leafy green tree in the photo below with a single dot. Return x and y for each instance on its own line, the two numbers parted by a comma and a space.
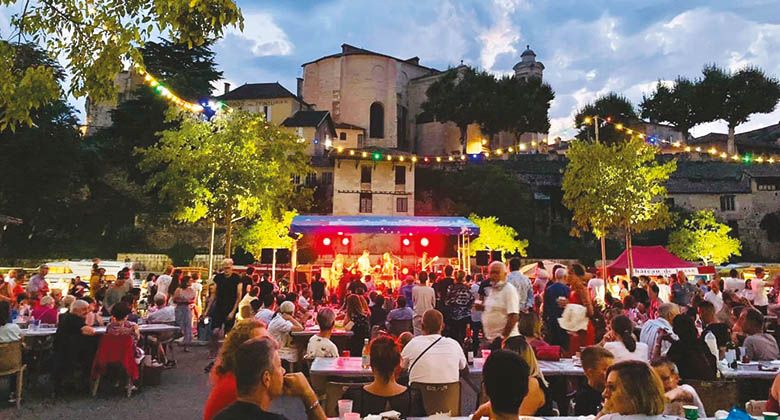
94, 38
267, 231
679, 105
734, 97
494, 236
521, 106
701, 237
460, 96
232, 167
612, 105
770, 223
617, 188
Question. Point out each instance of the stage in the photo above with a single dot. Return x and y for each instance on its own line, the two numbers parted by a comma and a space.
386, 247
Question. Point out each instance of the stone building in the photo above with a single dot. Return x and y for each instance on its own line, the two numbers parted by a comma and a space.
761, 141
270, 99
99, 113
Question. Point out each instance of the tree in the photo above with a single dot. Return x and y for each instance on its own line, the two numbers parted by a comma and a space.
770, 223
460, 97
614, 106
268, 231
616, 188
95, 38
235, 166
701, 237
494, 236
679, 105
734, 97
522, 106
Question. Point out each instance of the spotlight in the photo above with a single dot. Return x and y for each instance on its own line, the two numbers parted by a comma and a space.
345, 241
326, 241
406, 242
424, 242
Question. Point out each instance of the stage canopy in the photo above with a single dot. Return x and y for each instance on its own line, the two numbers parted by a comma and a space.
425, 225
655, 261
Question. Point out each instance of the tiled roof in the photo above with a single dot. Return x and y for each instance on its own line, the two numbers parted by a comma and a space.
306, 119
347, 49
258, 91
765, 137
346, 126
707, 177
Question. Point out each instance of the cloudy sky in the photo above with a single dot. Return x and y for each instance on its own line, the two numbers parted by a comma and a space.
588, 48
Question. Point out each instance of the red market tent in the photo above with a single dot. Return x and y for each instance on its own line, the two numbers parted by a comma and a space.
655, 261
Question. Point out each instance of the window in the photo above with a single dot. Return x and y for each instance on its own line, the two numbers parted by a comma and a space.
365, 203
727, 203
296, 179
311, 179
400, 175
365, 174
343, 135
765, 185
267, 112
361, 140
327, 178
377, 121
402, 205
401, 126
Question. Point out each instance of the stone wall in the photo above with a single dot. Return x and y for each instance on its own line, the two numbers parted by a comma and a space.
346, 177
279, 108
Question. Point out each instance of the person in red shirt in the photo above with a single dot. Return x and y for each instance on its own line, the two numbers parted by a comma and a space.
224, 391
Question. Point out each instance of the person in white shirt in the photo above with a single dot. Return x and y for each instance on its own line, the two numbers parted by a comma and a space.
664, 291
282, 324
525, 292
164, 281
714, 296
501, 307
651, 329
163, 313
9, 331
596, 289
320, 344
758, 285
677, 395
431, 358
621, 342
423, 299
267, 311
733, 283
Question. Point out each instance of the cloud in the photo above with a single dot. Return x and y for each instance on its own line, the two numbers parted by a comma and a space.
502, 36
265, 36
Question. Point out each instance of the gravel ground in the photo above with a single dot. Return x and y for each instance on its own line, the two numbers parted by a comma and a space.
180, 396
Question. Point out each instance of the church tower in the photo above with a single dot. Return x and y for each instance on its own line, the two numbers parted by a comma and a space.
528, 66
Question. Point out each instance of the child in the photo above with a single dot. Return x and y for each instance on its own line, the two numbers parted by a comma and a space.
320, 344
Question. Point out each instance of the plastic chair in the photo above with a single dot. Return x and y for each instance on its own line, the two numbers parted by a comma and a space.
398, 326
755, 408
11, 364
115, 350
440, 398
333, 393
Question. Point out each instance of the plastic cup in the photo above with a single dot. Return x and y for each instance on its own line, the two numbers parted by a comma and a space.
345, 353
691, 412
769, 415
352, 416
345, 406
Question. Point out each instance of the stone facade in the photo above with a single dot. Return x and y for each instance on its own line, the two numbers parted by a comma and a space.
389, 190
99, 113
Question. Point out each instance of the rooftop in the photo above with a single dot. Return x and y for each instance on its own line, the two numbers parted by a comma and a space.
345, 126
347, 49
765, 137
258, 91
307, 119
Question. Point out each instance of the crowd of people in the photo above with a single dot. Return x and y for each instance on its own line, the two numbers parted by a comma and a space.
639, 333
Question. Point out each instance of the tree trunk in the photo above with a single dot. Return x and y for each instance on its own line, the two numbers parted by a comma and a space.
228, 233
731, 147
464, 132
629, 249
604, 257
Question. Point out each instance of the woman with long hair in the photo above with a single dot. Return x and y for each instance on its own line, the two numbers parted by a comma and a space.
176, 277
620, 341
632, 389
693, 358
222, 378
384, 392
356, 321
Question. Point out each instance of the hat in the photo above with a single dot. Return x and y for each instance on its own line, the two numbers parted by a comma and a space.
575, 318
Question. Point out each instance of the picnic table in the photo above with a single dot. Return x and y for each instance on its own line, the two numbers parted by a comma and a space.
145, 329
753, 370
310, 331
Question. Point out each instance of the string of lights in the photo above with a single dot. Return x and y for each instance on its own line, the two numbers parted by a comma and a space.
712, 151
209, 108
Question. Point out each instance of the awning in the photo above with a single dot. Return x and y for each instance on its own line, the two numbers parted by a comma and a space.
654, 261
308, 225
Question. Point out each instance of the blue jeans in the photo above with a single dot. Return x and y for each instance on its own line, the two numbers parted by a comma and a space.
184, 321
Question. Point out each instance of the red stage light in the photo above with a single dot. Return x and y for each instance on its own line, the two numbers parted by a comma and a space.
424, 242
406, 242
404, 271
326, 241
345, 241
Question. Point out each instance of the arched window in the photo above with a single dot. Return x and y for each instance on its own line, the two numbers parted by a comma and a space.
377, 121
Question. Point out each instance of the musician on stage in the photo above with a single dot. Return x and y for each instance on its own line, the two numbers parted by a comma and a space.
388, 266
336, 270
364, 263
